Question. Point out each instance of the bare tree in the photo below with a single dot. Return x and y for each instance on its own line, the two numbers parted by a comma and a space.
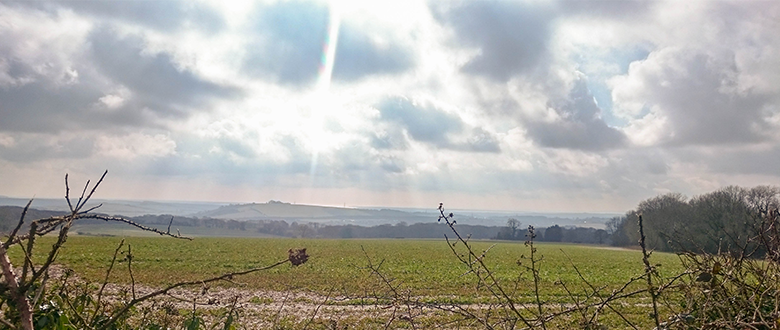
25, 291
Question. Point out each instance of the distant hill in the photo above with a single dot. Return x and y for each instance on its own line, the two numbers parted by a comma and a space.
9, 216
119, 207
277, 219
274, 210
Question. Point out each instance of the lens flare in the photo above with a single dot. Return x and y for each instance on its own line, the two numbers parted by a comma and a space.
324, 75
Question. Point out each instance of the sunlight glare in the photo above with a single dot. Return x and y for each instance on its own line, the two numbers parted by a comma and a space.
322, 101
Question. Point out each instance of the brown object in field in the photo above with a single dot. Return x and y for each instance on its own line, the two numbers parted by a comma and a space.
297, 256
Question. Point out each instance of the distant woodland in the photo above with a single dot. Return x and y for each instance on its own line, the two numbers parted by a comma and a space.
514, 230
726, 220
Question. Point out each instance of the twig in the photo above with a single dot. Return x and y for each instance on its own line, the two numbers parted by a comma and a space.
130, 269
17, 292
67, 193
93, 188
28, 264
7, 324
132, 223
317, 309
18, 225
63, 236
535, 273
98, 301
494, 281
115, 316
649, 270
281, 306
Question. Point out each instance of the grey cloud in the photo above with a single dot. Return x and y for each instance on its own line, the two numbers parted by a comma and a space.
620, 10
53, 103
580, 125
38, 107
34, 148
512, 37
233, 161
236, 147
45, 104
424, 124
290, 43
639, 162
17, 70
348, 160
656, 166
692, 89
155, 81
357, 164
358, 56
229, 158
357, 159
390, 139
160, 15
482, 141
429, 125
733, 161
392, 165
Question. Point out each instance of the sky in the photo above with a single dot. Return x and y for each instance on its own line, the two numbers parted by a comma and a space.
547, 106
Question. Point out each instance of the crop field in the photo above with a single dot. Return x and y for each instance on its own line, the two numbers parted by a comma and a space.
423, 268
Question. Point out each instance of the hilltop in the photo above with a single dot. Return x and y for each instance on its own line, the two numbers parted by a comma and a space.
276, 210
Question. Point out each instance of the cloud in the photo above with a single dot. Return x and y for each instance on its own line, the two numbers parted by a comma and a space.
616, 10
422, 123
166, 16
130, 146
289, 46
155, 80
511, 37
737, 160
389, 139
236, 158
232, 158
37, 147
40, 107
578, 124
477, 100
696, 94
432, 126
60, 72
358, 56
481, 140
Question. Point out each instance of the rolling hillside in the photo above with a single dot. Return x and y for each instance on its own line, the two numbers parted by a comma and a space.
274, 210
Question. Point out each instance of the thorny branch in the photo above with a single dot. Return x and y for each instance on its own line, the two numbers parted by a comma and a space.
223, 277
448, 219
20, 287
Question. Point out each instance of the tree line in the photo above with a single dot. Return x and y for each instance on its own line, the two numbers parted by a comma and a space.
727, 220
513, 231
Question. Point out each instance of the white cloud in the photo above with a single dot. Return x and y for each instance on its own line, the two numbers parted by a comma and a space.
134, 145
7, 140
551, 104
44, 43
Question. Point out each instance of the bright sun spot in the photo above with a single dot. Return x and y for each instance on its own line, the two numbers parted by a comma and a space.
323, 101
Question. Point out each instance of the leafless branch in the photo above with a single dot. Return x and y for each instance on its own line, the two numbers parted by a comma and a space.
18, 225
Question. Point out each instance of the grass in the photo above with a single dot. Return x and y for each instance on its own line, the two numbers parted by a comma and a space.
427, 267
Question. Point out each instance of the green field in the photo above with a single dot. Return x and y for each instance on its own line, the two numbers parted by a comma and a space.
428, 267
425, 269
